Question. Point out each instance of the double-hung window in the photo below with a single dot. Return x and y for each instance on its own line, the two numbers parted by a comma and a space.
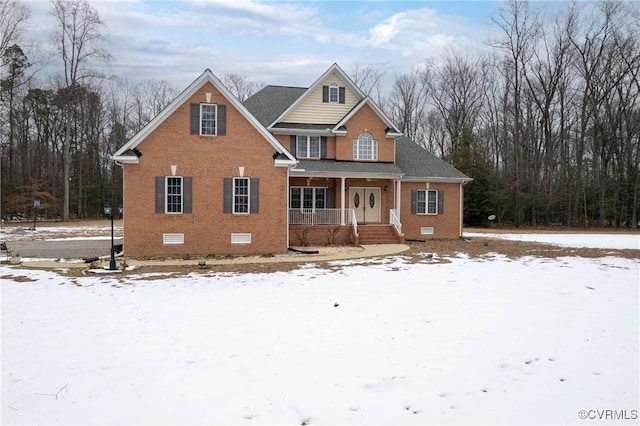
208, 119
365, 147
174, 194
308, 147
427, 201
334, 92
240, 195
208, 113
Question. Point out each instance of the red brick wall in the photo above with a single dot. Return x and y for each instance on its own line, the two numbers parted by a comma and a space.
325, 235
208, 160
365, 120
445, 225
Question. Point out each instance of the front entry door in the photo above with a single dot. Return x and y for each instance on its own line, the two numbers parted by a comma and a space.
366, 204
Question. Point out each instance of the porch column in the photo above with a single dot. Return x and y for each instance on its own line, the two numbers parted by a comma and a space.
342, 190
398, 197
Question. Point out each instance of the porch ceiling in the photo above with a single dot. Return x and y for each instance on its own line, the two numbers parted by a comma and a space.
333, 168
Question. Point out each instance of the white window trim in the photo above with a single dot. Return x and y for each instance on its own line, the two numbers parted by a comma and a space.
374, 148
307, 141
334, 87
166, 194
233, 195
426, 202
216, 120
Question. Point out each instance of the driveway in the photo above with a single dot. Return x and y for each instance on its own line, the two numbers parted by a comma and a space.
64, 249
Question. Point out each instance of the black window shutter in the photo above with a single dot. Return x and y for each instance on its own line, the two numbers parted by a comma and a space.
159, 194
222, 120
414, 201
325, 94
294, 145
254, 195
329, 201
440, 202
187, 194
227, 198
195, 119
323, 147
341, 95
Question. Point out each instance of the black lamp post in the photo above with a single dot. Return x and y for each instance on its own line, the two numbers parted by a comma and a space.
112, 261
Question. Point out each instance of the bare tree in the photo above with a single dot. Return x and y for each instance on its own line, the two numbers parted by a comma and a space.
79, 40
240, 86
408, 104
520, 26
368, 79
457, 89
13, 17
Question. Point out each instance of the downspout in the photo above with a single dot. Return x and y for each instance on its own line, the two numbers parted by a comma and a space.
461, 208
123, 204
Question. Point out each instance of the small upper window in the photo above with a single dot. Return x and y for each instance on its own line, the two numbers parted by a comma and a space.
308, 147
333, 92
365, 147
208, 114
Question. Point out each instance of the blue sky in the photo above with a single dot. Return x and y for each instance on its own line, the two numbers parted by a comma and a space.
278, 42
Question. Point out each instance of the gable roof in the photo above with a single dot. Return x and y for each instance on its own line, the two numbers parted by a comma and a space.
418, 164
334, 68
267, 104
391, 133
123, 154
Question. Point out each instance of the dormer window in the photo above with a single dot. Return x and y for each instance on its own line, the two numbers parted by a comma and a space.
365, 147
333, 93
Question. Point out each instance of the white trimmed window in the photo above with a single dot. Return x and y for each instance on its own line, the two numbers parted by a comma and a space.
334, 91
365, 147
308, 146
308, 198
427, 201
208, 113
240, 195
174, 194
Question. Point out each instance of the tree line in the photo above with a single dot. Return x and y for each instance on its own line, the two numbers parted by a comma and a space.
546, 120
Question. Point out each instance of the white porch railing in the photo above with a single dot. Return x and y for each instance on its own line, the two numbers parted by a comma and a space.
320, 216
395, 220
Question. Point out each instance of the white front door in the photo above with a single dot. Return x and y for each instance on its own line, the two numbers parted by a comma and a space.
366, 204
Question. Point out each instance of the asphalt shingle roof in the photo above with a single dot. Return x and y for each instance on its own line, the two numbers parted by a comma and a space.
340, 167
267, 104
412, 160
417, 162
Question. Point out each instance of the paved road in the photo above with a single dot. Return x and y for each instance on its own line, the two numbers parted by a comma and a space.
68, 249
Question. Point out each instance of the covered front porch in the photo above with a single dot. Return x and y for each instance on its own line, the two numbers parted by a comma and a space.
334, 207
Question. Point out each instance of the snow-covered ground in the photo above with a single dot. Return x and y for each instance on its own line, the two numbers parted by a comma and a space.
386, 341
592, 240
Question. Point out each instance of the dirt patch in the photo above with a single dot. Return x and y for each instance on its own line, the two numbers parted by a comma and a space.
480, 247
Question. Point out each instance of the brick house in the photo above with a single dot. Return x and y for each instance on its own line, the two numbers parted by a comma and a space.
288, 167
